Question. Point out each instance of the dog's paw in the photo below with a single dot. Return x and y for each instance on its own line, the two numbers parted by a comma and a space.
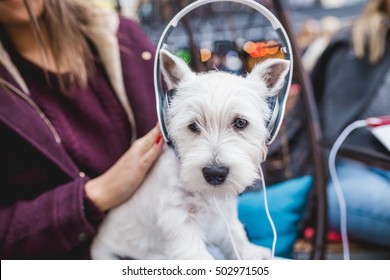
255, 252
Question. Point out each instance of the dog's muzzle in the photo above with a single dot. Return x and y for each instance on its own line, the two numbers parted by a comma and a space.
215, 175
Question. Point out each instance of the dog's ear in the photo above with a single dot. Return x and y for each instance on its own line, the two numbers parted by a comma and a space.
173, 68
273, 72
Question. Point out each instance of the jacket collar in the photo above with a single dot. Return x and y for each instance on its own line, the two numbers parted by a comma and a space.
103, 33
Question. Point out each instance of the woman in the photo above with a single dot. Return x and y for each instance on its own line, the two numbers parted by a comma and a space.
352, 81
75, 91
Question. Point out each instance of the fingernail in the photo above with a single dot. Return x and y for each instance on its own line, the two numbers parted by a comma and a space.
159, 139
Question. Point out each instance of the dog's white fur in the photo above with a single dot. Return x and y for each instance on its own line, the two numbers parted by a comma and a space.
172, 215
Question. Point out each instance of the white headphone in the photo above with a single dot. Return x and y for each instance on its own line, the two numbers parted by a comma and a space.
276, 103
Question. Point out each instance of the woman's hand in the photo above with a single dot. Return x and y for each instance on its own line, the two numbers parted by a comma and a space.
121, 181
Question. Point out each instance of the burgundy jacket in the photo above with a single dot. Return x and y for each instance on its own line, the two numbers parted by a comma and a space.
42, 213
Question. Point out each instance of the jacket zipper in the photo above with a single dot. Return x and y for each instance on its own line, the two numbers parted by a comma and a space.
27, 99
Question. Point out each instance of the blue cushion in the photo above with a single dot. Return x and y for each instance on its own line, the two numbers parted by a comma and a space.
286, 202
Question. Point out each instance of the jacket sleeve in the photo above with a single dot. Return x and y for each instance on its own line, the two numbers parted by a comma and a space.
50, 225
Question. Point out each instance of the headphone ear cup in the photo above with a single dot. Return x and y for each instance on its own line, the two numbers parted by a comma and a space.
272, 105
272, 124
163, 123
166, 102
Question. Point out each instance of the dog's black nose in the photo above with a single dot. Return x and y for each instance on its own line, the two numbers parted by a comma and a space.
215, 175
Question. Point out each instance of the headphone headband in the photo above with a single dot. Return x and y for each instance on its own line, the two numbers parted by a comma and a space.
279, 107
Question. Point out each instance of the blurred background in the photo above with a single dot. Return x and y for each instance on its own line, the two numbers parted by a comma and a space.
158, 11
313, 21
154, 14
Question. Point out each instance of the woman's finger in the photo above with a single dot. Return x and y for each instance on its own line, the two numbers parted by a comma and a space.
153, 153
146, 142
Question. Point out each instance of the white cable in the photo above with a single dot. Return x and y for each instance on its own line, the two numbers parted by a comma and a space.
271, 222
228, 228
336, 183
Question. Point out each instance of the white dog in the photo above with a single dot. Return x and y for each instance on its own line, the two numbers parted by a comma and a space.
217, 123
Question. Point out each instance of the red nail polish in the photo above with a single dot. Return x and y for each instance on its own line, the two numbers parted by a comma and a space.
159, 139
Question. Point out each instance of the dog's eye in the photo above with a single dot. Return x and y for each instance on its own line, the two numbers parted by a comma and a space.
194, 127
240, 123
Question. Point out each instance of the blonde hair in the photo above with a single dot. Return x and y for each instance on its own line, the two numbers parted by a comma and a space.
60, 32
369, 31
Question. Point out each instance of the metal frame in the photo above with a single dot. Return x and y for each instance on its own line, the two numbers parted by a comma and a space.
319, 243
